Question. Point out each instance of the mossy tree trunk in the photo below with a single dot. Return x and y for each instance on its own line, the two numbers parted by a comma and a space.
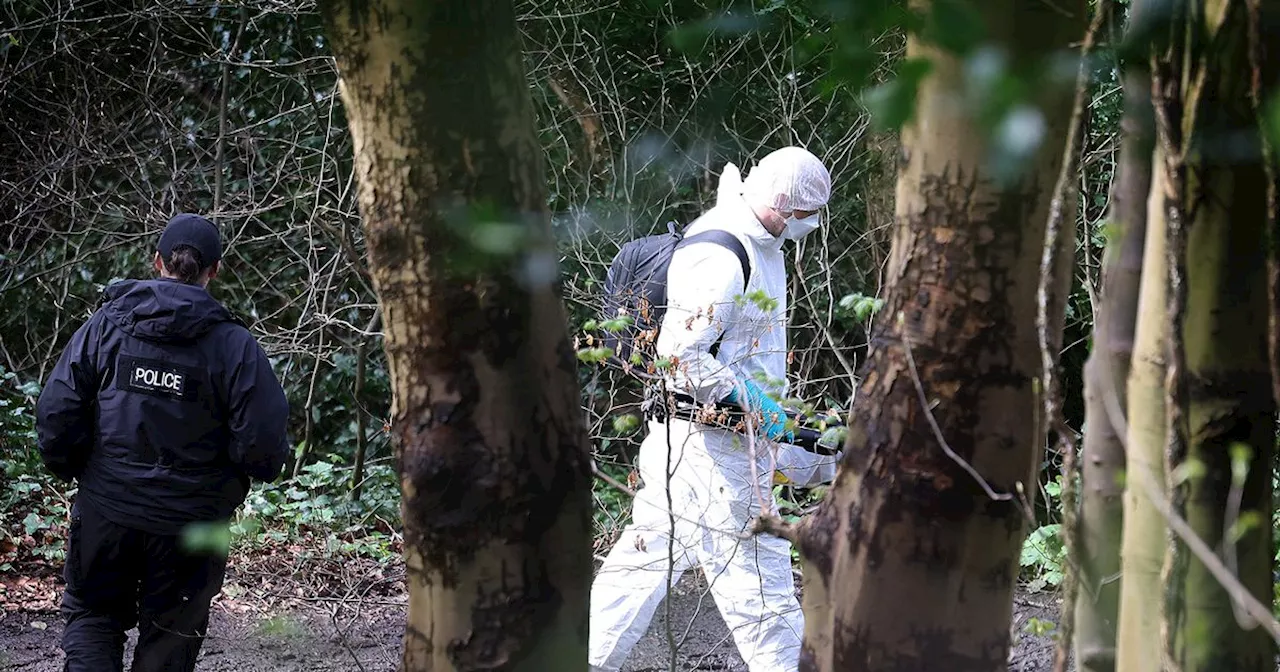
910, 563
1224, 333
1106, 376
490, 442
1215, 466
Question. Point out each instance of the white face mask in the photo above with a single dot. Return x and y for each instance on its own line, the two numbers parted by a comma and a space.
799, 228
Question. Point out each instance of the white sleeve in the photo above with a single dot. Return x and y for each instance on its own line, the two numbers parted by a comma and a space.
704, 281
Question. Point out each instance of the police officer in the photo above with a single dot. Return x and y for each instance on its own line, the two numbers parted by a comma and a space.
163, 407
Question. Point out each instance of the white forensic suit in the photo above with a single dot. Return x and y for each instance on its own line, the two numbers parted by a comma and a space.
702, 486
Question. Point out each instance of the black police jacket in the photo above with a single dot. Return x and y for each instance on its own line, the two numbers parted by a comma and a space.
163, 407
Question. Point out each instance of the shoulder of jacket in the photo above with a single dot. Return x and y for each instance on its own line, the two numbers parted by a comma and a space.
232, 333
707, 251
236, 319
98, 319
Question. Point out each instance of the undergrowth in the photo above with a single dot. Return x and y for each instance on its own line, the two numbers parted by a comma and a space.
317, 505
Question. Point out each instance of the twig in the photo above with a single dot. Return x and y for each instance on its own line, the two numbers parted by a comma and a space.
777, 527
669, 472
937, 431
1236, 590
835, 347
1231, 518
595, 469
342, 637
1049, 358
222, 114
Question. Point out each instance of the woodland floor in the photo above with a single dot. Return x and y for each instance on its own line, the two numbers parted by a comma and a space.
349, 616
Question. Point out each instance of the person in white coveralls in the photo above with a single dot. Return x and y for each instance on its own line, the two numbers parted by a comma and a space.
719, 480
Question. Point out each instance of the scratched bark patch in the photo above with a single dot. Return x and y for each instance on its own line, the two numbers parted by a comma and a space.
954, 297
908, 513
485, 463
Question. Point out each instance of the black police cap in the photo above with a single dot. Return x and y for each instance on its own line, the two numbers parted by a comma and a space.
193, 231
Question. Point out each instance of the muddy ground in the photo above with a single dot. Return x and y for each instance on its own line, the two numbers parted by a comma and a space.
365, 636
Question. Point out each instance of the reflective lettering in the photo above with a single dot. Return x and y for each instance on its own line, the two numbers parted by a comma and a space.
162, 379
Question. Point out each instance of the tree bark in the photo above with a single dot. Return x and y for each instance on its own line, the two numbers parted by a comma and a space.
1229, 402
1142, 543
1105, 380
1217, 183
1230, 405
910, 562
489, 440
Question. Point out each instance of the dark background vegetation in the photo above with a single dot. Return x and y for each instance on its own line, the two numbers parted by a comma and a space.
116, 115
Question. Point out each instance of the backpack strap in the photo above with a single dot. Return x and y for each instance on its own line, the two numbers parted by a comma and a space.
726, 240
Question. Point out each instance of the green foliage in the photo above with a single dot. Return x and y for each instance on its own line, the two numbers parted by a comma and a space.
626, 424
17, 421
281, 626
207, 539
612, 508
683, 87
1043, 556
858, 307
33, 507
1039, 627
317, 500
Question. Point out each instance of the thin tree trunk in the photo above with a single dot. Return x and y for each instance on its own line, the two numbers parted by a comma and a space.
489, 439
912, 556
1138, 642
1105, 379
362, 439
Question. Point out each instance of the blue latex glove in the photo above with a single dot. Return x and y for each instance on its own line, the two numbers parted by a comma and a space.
774, 420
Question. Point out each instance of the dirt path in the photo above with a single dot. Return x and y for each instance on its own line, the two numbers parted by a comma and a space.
289, 642
331, 636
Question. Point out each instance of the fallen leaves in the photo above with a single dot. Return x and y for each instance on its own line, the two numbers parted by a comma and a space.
29, 594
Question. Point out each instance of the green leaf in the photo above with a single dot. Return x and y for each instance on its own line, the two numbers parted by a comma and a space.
1191, 469
626, 424
1038, 627
32, 523
594, 355
1241, 455
1248, 521
207, 538
618, 323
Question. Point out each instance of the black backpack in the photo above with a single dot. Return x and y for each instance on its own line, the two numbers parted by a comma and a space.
637, 284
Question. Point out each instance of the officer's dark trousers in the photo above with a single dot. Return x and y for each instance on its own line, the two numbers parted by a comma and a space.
119, 577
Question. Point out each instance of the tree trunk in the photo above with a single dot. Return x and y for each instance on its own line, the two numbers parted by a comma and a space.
1105, 378
910, 562
1224, 333
1230, 407
489, 440
1142, 545
1224, 382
